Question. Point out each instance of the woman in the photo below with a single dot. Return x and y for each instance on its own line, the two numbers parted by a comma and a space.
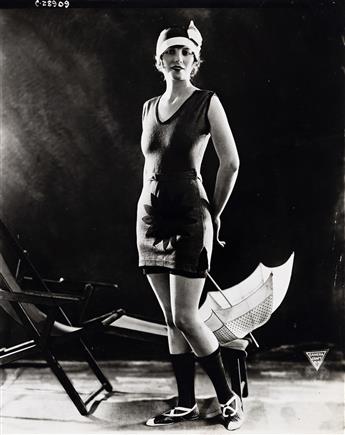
176, 223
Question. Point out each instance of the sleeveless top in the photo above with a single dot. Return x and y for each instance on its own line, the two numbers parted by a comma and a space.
178, 143
174, 225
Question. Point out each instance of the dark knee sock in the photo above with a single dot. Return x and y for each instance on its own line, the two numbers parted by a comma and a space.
184, 369
213, 366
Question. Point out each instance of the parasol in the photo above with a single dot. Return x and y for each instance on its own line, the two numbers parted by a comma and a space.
236, 311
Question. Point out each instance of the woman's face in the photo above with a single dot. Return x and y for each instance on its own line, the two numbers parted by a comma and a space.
178, 62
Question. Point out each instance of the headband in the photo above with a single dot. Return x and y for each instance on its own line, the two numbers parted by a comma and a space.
190, 37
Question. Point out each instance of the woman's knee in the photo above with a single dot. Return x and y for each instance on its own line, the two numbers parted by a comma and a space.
184, 322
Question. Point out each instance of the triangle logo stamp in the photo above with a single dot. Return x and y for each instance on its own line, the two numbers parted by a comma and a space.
316, 357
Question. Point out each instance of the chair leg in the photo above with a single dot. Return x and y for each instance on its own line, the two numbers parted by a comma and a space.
65, 382
235, 365
244, 378
235, 376
95, 367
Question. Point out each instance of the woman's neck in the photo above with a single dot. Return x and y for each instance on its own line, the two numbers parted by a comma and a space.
177, 88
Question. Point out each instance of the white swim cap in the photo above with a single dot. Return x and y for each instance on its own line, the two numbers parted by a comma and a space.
189, 37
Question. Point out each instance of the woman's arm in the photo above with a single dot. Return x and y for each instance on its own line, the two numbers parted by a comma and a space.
229, 162
142, 130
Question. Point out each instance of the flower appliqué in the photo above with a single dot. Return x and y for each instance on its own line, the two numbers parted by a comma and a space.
169, 218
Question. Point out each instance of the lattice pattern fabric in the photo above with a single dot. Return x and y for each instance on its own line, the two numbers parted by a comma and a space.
224, 335
238, 310
236, 321
256, 317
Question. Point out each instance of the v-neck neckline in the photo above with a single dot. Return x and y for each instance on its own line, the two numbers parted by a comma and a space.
176, 112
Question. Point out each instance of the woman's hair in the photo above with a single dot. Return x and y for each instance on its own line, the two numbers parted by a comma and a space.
196, 66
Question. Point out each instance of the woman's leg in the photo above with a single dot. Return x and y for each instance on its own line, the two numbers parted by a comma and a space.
161, 287
181, 357
185, 297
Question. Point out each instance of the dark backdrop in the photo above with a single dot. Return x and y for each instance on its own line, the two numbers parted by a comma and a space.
73, 85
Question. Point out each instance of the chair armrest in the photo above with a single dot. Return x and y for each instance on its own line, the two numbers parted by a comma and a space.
39, 297
71, 282
87, 291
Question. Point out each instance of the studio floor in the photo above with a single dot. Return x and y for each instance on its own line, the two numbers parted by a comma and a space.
291, 398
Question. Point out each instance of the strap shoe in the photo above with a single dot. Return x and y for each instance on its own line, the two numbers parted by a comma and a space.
175, 415
232, 413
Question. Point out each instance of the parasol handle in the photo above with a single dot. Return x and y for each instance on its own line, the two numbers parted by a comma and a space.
253, 338
218, 288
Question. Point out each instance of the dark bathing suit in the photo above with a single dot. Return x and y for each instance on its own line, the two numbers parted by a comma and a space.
174, 225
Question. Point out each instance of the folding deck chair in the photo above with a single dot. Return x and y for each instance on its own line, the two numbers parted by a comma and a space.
45, 329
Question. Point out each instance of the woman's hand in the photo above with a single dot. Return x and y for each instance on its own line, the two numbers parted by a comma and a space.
216, 226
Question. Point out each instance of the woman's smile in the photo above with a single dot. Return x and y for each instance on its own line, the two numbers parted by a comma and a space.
177, 59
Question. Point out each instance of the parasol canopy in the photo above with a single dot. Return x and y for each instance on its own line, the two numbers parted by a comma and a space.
236, 311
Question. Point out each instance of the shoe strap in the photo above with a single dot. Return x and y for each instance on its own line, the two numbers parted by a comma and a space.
226, 407
184, 412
